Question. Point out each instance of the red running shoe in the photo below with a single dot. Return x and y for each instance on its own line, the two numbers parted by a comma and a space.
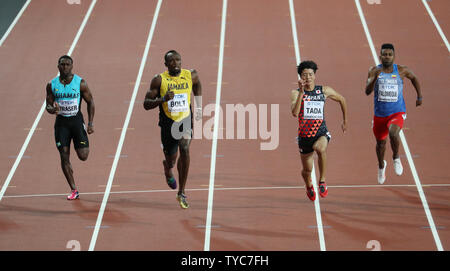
323, 190
73, 195
311, 193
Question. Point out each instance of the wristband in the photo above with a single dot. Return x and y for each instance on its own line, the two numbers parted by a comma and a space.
90, 124
419, 98
163, 99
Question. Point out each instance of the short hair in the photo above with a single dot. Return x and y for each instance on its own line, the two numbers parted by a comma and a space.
387, 46
308, 64
65, 57
170, 52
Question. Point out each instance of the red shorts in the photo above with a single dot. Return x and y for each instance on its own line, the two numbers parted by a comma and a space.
381, 125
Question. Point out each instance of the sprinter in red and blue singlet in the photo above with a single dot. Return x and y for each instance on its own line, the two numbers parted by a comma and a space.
386, 81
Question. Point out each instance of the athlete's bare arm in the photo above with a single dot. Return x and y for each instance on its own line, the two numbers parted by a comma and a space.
408, 73
197, 89
296, 98
87, 96
151, 97
335, 96
372, 78
52, 107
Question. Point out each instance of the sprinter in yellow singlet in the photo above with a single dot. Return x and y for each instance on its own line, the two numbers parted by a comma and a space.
171, 92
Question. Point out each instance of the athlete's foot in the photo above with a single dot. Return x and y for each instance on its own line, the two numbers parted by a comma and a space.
311, 193
170, 180
323, 189
398, 166
382, 173
73, 195
181, 198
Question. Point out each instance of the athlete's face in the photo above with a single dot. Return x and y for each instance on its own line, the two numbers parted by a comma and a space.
387, 57
65, 66
308, 76
173, 63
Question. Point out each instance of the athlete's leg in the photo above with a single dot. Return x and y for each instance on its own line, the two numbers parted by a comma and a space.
64, 153
82, 153
320, 147
183, 162
169, 163
380, 149
394, 131
307, 165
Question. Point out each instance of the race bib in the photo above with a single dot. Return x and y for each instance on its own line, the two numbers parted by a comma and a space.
68, 108
387, 93
313, 110
179, 103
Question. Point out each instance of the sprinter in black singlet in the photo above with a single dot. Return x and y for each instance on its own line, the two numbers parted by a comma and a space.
307, 104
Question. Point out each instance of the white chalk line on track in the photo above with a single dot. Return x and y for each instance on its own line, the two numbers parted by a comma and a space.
124, 129
212, 172
437, 240
313, 172
11, 26
41, 111
436, 24
375, 186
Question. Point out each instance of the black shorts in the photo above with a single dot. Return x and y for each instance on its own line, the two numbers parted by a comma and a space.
170, 140
305, 144
68, 128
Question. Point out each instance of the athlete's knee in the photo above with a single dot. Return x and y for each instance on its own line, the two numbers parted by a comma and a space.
321, 150
393, 134
381, 143
184, 147
83, 154
64, 153
306, 173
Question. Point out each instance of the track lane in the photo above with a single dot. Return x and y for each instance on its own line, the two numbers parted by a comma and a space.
107, 56
158, 223
423, 51
259, 68
23, 77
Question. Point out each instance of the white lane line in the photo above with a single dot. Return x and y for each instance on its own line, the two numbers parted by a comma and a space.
230, 189
10, 28
313, 173
437, 240
41, 111
436, 24
124, 129
216, 130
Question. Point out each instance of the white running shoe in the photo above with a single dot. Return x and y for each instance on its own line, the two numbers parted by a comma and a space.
398, 166
382, 174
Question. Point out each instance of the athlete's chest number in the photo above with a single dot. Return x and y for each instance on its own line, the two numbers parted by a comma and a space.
313, 110
179, 103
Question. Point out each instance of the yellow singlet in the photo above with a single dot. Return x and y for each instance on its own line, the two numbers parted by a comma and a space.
179, 107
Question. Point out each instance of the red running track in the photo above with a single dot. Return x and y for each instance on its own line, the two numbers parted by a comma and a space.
259, 198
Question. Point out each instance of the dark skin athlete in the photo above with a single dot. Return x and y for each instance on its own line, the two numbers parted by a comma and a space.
173, 64
387, 60
65, 69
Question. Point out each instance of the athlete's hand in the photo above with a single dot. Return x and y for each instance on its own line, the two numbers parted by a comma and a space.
301, 85
90, 128
198, 113
419, 101
169, 95
53, 109
344, 126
